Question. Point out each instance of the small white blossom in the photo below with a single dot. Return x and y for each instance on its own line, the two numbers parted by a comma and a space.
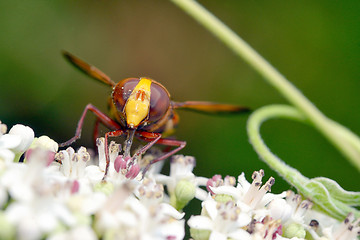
290, 210
124, 217
251, 198
45, 142
330, 229
181, 168
222, 220
16, 142
150, 193
25, 133
73, 163
38, 217
8, 142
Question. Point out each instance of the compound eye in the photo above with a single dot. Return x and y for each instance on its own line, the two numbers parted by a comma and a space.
159, 102
123, 90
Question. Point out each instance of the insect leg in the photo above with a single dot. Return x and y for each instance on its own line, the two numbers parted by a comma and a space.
152, 138
169, 142
103, 118
96, 130
163, 141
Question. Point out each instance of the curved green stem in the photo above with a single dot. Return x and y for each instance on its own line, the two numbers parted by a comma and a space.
346, 141
327, 194
253, 127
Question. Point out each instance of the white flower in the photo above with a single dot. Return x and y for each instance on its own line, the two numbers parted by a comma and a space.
16, 141
73, 163
45, 142
119, 169
251, 198
73, 167
25, 181
38, 217
26, 134
86, 204
44, 146
35, 208
6, 143
267, 229
181, 168
293, 209
150, 193
221, 220
291, 212
124, 217
280, 209
349, 229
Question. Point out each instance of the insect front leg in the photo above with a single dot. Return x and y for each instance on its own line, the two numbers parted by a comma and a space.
103, 118
96, 130
152, 139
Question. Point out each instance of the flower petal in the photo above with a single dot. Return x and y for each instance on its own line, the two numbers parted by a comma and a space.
9, 141
240, 234
215, 235
7, 155
27, 136
171, 211
200, 222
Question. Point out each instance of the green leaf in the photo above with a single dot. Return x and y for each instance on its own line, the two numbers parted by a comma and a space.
338, 193
325, 201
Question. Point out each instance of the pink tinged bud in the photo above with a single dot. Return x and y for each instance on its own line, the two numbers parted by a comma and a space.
28, 153
75, 187
133, 171
208, 185
50, 157
127, 158
212, 182
216, 177
119, 163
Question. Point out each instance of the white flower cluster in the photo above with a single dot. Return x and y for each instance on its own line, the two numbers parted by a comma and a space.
51, 194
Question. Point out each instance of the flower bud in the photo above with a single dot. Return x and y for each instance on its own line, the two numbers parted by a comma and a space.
200, 234
105, 187
7, 230
184, 193
46, 143
26, 134
223, 198
294, 230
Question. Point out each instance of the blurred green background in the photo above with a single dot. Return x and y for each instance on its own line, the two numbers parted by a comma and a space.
315, 44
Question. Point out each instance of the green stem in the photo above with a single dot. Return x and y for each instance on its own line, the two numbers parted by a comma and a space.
253, 127
346, 141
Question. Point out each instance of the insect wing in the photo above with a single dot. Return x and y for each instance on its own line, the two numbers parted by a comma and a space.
88, 69
210, 107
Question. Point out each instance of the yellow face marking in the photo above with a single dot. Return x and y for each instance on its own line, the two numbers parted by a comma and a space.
138, 104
